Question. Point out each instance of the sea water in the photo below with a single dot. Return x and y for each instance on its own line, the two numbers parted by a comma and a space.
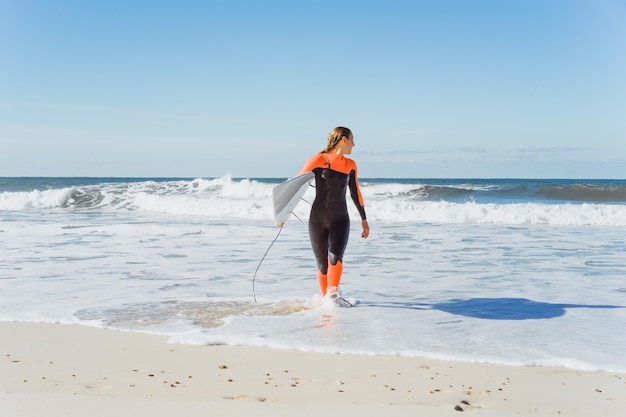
521, 272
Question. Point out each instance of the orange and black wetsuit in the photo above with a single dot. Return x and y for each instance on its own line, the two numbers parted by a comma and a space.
329, 224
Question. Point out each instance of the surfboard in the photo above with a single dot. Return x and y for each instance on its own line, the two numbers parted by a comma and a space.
286, 195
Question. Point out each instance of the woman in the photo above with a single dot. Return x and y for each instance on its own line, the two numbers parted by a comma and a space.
329, 224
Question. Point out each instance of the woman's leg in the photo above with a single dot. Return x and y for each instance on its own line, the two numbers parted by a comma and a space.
318, 234
337, 242
322, 279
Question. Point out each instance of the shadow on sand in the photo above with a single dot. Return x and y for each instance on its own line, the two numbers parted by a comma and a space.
509, 308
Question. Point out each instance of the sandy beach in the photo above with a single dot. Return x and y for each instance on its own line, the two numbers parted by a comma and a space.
73, 370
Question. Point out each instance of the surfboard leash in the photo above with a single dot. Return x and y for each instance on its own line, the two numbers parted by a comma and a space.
270, 247
262, 259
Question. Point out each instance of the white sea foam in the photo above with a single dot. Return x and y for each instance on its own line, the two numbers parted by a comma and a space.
249, 199
35, 199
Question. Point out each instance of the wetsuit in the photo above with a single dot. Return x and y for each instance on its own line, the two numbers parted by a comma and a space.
329, 224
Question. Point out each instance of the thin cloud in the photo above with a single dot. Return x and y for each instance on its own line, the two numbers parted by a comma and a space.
474, 149
554, 149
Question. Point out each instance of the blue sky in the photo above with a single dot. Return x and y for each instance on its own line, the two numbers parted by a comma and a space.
519, 88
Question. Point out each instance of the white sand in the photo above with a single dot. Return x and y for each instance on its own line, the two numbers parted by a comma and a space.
63, 370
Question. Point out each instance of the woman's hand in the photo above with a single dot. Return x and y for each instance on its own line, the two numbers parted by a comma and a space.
366, 229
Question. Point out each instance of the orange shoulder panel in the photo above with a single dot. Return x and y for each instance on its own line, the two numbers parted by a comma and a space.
329, 160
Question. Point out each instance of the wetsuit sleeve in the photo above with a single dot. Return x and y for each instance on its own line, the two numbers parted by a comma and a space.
355, 193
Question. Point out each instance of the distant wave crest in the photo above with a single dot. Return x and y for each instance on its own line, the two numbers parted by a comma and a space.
585, 192
393, 201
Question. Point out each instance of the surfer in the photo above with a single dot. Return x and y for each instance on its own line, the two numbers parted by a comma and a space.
329, 224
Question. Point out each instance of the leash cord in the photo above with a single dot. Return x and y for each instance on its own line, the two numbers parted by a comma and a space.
262, 259
270, 247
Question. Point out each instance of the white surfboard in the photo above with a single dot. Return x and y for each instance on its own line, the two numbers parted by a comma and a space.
286, 195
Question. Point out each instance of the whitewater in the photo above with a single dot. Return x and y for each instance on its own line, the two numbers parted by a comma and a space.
519, 272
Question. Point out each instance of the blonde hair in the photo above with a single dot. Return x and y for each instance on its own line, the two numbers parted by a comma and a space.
334, 137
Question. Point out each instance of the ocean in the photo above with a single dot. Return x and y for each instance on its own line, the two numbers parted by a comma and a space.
510, 271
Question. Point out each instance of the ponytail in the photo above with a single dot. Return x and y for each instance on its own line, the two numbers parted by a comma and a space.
335, 136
